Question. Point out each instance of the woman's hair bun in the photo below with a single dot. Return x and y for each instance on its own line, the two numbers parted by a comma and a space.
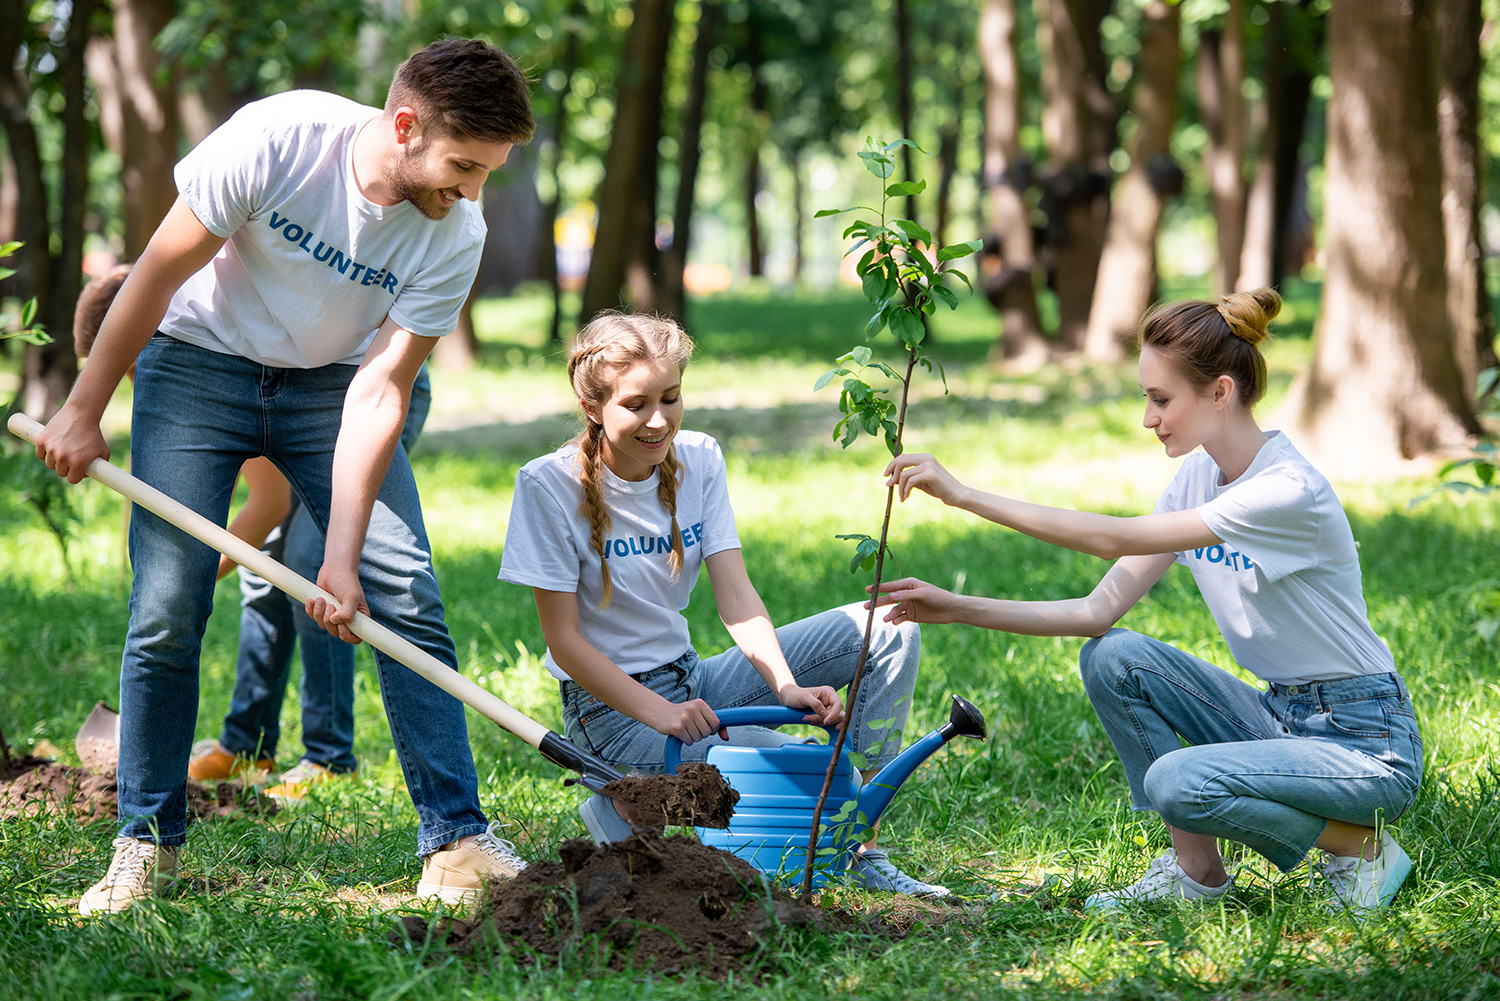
1248, 314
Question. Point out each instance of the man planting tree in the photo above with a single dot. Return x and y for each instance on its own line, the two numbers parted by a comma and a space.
316, 252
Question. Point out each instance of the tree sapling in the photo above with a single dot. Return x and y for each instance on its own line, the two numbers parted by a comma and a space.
904, 280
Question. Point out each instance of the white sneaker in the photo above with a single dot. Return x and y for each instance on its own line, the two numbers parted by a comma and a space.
1364, 885
1165, 880
136, 870
456, 874
872, 870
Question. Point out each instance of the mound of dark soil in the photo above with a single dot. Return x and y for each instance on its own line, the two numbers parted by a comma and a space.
646, 903
697, 796
31, 785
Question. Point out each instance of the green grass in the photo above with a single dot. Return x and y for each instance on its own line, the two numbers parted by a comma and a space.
301, 905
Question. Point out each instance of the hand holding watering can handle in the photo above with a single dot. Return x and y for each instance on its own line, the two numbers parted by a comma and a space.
743, 716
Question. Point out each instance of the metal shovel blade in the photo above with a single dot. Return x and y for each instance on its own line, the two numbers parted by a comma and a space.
98, 740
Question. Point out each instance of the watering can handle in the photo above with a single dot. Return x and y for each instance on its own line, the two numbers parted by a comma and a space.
743, 716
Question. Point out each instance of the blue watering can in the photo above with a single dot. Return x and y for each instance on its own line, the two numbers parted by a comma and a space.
779, 787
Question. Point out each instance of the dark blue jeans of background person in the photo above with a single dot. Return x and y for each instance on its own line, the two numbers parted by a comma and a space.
272, 624
198, 415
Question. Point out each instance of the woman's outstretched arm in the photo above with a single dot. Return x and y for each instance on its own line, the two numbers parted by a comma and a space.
1102, 535
913, 600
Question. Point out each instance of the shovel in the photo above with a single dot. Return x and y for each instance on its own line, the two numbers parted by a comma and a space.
98, 740
593, 773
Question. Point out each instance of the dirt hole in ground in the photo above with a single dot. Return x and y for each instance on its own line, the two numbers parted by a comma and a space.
30, 786
663, 904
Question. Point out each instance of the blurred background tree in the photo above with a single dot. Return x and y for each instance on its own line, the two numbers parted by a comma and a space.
683, 143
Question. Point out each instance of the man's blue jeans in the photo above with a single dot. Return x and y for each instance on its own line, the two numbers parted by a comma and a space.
198, 416
272, 623
1267, 767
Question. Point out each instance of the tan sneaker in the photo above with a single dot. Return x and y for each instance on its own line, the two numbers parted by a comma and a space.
297, 780
211, 763
456, 874
136, 871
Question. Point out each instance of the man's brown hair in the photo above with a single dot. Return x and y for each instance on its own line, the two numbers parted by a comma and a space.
465, 87
93, 303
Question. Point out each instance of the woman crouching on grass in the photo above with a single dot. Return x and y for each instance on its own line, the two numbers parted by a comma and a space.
1321, 755
611, 532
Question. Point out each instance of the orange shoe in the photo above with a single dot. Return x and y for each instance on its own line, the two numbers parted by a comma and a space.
211, 762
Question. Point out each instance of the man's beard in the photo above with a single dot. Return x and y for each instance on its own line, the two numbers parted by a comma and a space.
409, 180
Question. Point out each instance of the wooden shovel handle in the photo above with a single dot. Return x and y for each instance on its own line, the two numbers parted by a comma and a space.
504, 715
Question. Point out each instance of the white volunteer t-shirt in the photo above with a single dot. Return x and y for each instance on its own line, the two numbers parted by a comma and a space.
1285, 585
547, 546
311, 267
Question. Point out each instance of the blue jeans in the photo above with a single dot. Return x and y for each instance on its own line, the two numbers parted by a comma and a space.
820, 650
272, 622
198, 416
1265, 767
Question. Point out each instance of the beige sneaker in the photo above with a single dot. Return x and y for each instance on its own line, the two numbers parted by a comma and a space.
136, 871
297, 780
456, 874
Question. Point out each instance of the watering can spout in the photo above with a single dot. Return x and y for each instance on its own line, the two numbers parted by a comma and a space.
964, 720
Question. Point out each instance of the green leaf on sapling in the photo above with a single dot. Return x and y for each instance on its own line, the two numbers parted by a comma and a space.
903, 188
861, 355
956, 250
877, 287
896, 144
878, 163
828, 377
907, 327
913, 230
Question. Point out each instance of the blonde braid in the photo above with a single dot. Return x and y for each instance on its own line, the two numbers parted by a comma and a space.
591, 507
666, 492
606, 346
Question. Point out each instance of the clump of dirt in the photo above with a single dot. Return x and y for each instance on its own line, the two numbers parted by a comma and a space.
31, 785
697, 796
646, 903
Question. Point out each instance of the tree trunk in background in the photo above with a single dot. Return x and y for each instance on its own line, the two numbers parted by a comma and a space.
138, 113
1283, 121
624, 241
756, 129
1007, 276
47, 371
1384, 382
1221, 78
1078, 126
460, 350
903, 97
1459, 61
1127, 268
51, 369
671, 294
799, 215
947, 169
547, 245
